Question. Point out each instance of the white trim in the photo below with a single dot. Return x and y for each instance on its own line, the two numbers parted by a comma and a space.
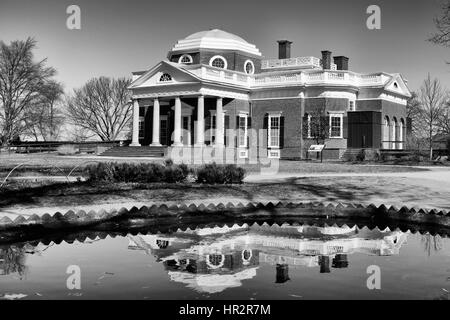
269, 129
336, 115
188, 56
245, 145
245, 67
219, 57
273, 153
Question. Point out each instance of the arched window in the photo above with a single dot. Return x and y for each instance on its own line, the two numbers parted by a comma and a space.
185, 59
218, 62
165, 77
249, 67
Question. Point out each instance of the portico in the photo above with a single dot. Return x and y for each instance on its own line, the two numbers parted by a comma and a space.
183, 119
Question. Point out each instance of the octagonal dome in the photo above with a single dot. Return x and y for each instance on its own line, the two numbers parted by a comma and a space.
215, 39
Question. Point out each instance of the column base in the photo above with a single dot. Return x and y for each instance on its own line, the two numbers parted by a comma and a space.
135, 145
199, 145
156, 145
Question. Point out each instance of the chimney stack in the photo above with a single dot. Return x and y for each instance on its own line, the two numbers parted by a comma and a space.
326, 60
284, 49
341, 62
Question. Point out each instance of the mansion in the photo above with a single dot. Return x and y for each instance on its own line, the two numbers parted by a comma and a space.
216, 91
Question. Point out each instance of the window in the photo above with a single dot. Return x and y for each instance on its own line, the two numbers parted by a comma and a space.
165, 77
249, 67
185, 59
218, 62
274, 131
335, 125
243, 120
351, 105
141, 127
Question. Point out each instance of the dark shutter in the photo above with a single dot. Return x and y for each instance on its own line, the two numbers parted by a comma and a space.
305, 126
237, 122
281, 132
345, 127
265, 127
249, 122
227, 127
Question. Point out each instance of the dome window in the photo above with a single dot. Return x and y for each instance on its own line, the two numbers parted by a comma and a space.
165, 77
218, 62
185, 59
249, 67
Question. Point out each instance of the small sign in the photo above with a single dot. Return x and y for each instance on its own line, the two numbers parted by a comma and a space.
316, 148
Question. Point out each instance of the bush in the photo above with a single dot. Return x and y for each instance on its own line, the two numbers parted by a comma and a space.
130, 172
66, 149
215, 174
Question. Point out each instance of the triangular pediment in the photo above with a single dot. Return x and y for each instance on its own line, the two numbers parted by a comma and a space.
397, 85
164, 74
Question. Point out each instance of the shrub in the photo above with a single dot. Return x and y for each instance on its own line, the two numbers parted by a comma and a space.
66, 149
215, 174
130, 172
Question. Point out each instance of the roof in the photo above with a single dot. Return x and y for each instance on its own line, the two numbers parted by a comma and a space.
215, 39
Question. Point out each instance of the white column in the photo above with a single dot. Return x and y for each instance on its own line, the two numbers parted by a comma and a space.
135, 137
156, 120
200, 134
177, 130
219, 123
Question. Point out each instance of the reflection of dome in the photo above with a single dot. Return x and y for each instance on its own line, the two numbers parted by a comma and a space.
215, 39
212, 283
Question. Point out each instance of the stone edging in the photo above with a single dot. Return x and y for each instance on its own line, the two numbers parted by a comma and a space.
259, 210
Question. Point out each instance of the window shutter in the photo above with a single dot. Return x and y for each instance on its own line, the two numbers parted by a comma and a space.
305, 126
249, 122
226, 127
345, 127
281, 132
237, 122
265, 127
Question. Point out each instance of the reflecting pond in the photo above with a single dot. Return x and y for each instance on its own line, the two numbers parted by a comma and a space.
240, 261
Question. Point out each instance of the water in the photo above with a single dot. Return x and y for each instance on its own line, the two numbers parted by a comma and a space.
239, 262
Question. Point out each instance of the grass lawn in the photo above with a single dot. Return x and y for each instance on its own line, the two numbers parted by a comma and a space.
54, 164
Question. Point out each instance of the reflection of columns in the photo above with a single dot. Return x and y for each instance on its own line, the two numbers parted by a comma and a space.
200, 134
324, 262
219, 122
156, 120
177, 130
135, 136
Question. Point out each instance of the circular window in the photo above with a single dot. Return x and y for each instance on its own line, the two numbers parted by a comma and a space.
218, 62
249, 67
185, 58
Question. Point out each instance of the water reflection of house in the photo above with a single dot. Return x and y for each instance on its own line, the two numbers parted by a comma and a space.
213, 259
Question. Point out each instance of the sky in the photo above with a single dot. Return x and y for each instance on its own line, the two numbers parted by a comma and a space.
118, 37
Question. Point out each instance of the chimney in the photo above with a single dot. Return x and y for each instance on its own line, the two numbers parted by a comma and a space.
284, 49
341, 62
326, 60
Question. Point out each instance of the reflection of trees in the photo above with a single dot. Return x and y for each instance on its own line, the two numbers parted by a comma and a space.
431, 243
12, 260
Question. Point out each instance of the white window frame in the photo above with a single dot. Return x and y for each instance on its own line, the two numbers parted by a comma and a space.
186, 56
219, 57
269, 130
245, 131
245, 67
341, 117
141, 122
350, 103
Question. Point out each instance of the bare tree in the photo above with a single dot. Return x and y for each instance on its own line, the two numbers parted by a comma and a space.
20, 81
46, 117
101, 106
432, 102
317, 125
442, 23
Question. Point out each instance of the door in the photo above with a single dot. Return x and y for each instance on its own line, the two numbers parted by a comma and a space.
164, 131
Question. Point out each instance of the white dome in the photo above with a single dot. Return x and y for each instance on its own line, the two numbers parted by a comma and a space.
215, 39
